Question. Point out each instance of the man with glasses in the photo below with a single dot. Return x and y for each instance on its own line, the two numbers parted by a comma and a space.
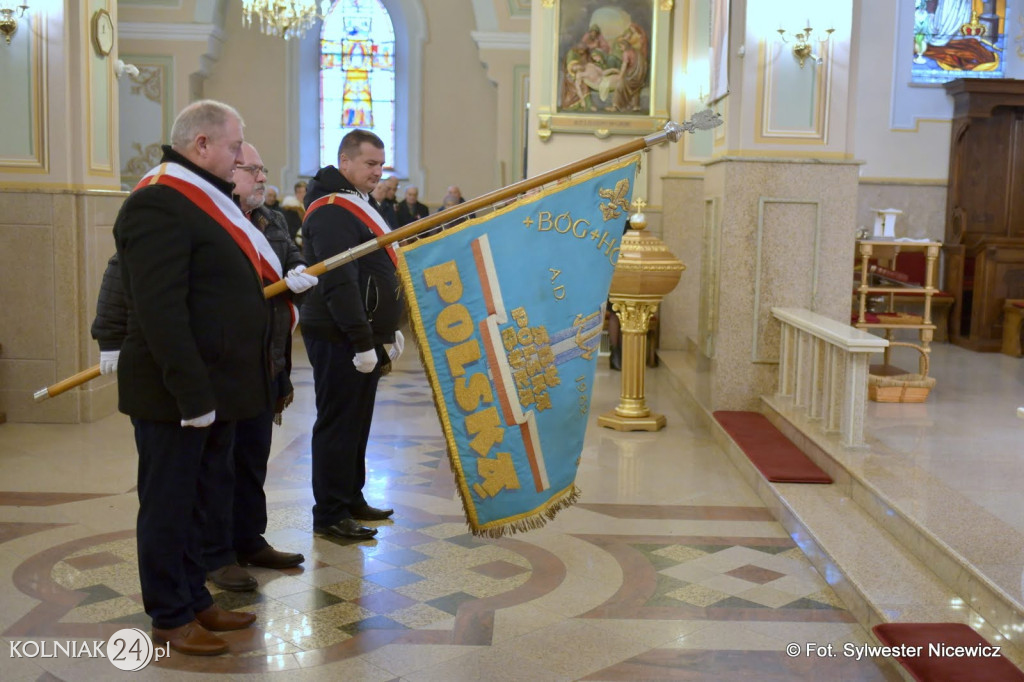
350, 328
237, 540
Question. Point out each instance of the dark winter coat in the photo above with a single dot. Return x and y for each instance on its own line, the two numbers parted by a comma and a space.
361, 300
197, 336
272, 224
110, 325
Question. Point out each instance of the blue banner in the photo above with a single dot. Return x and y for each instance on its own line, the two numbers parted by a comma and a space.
508, 311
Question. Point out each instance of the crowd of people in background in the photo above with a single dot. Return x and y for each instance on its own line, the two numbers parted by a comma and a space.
397, 213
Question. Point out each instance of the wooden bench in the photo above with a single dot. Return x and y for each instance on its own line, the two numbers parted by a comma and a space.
1013, 315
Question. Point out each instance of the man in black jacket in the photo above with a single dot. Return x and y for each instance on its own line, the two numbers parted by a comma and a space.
410, 210
194, 361
243, 539
346, 323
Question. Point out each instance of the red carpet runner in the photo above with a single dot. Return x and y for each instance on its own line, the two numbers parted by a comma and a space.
945, 652
771, 452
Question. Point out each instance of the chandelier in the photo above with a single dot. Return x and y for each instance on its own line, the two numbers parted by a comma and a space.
283, 18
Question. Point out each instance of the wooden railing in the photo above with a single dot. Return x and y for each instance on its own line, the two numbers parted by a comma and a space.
823, 368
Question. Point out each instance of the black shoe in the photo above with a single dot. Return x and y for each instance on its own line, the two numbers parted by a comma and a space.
232, 578
368, 513
268, 557
346, 528
615, 358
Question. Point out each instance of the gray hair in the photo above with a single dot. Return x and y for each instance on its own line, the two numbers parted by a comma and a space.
205, 116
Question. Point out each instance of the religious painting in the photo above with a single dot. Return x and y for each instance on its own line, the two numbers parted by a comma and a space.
958, 39
610, 70
604, 56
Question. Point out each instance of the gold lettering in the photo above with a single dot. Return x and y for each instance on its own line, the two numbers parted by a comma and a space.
470, 393
554, 273
454, 324
445, 278
544, 221
559, 292
464, 354
604, 241
568, 222
498, 474
582, 234
485, 427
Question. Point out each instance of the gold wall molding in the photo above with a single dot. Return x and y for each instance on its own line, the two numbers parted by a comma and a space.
149, 82
925, 182
767, 86
100, 93
58, 188
39, 161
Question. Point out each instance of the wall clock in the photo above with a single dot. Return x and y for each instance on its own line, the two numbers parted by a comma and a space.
102, 32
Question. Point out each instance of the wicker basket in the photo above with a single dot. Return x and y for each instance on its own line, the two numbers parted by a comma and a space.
902, 388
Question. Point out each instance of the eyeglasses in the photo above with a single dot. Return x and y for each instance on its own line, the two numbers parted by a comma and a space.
255, 170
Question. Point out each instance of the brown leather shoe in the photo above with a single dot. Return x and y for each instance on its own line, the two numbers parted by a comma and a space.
232, 578
191, 639
268, 557
220, 620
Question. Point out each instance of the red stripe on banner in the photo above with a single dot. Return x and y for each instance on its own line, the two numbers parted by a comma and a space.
531, 453
496, 375
356, 210
206, 204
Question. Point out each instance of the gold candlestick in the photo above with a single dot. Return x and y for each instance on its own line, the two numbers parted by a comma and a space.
645, 272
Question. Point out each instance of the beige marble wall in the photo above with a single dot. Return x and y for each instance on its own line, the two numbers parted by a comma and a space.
923, 206
682, 222
786, 235
53, 248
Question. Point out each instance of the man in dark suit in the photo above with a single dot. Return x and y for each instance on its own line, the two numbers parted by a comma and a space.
193, 361
350, 327
411, 210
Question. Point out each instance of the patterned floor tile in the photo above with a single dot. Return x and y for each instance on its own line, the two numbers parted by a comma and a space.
427, 600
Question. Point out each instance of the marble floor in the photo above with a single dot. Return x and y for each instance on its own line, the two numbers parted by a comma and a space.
669, 567
955, 463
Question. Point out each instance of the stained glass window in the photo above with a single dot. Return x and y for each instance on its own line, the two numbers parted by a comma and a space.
357, 76
958, 39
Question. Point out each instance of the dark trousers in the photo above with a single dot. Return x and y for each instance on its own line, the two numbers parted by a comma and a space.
344, 410
243, 532
185, 482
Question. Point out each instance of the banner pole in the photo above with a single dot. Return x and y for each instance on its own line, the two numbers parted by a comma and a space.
670, 133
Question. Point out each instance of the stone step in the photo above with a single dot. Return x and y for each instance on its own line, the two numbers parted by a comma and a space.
882, 566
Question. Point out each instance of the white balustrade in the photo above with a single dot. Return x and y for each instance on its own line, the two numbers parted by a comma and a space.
823, 368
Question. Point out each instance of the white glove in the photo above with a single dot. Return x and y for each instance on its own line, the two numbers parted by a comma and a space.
298, 281
108, 361
395, 349
201, 422
365, 361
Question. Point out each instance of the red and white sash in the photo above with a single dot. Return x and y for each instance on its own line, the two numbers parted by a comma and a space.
228, 215
363, 211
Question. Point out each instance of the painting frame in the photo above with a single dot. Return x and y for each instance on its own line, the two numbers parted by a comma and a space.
638, 31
